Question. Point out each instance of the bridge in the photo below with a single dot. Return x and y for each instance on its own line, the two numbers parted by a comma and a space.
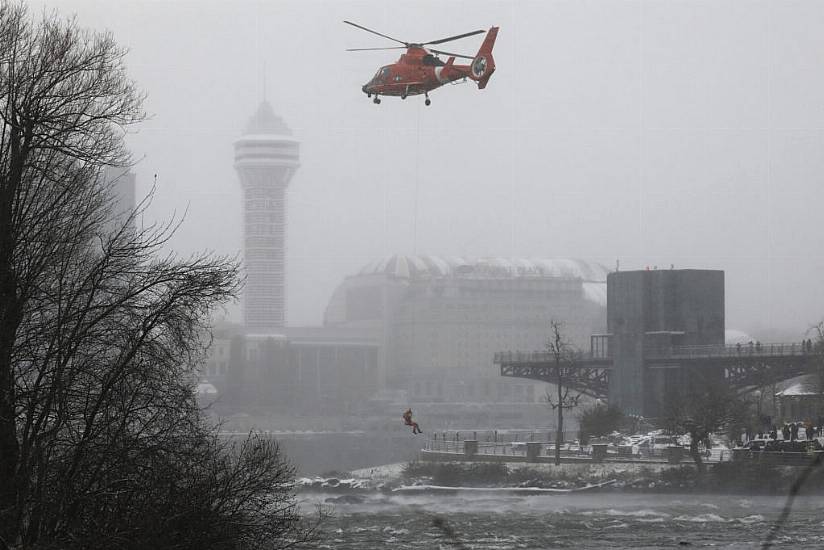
664, 332
743, 367
586, 374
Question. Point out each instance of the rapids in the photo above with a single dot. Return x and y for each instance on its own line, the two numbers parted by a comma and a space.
600, 520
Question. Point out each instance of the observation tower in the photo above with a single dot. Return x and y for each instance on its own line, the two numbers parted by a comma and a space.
266, 158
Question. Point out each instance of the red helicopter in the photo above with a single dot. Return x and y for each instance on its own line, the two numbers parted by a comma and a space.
418, 71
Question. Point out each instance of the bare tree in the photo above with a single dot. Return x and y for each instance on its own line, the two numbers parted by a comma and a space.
564, 359
101, 440
704, 408
600, 420
62, 94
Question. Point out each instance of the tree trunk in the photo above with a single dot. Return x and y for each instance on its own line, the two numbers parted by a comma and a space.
560, 435
9, 322
9, 455
696, 455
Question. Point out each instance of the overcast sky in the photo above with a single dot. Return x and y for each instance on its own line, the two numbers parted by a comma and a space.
651, 132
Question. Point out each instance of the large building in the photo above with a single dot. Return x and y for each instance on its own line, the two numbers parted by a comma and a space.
266, 158
415, 330
440, 320
304, 371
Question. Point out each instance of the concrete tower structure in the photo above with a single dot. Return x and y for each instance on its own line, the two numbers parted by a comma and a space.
266, 158
649, 313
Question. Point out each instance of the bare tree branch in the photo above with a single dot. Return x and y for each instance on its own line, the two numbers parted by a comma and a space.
102, 443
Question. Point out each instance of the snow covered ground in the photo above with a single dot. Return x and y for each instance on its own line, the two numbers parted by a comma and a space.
394, 472
387, 472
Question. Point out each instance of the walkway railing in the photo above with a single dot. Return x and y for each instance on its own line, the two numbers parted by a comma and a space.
738, 350
514, 444
499, 442
707, 351
514, 449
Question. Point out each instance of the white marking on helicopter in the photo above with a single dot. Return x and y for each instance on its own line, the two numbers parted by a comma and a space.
441, 79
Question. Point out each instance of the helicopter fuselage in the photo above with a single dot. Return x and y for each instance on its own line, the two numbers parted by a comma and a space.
416, 72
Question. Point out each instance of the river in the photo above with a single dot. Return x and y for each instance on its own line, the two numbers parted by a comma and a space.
593, 520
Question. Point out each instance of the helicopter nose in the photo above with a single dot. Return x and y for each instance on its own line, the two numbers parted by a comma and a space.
364, 89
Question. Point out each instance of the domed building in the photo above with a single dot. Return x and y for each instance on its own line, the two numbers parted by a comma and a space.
440, 319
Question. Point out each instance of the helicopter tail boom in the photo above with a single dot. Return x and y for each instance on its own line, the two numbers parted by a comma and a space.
483, 65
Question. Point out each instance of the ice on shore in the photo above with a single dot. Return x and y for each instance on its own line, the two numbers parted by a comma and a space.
387, 472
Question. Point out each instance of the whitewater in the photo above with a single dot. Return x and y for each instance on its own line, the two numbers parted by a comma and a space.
468, 520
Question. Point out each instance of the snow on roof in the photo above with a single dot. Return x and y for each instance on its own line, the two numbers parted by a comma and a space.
596, 292
733, 336
800, 386
425, 266
797, 390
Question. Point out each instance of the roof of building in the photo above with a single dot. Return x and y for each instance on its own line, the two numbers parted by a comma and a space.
733, 336
804, 385
425, 267
265, 121
596, 292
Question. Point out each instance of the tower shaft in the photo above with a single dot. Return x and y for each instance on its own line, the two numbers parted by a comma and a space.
266, 158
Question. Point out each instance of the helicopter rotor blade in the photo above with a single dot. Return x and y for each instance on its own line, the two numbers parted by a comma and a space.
370, 49
451, 54
375, 32
451, 38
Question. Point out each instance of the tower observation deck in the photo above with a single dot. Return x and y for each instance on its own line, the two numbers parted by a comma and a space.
266, 158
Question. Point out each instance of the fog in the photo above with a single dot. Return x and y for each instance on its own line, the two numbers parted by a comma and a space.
652, 133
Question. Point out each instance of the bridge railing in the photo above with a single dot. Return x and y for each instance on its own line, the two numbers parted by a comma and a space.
737, 350
702, 351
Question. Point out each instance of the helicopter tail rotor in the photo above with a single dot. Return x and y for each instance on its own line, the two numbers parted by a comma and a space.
483, 64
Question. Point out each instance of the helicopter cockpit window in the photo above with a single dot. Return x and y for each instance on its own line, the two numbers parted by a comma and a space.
382, 74
432, 61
